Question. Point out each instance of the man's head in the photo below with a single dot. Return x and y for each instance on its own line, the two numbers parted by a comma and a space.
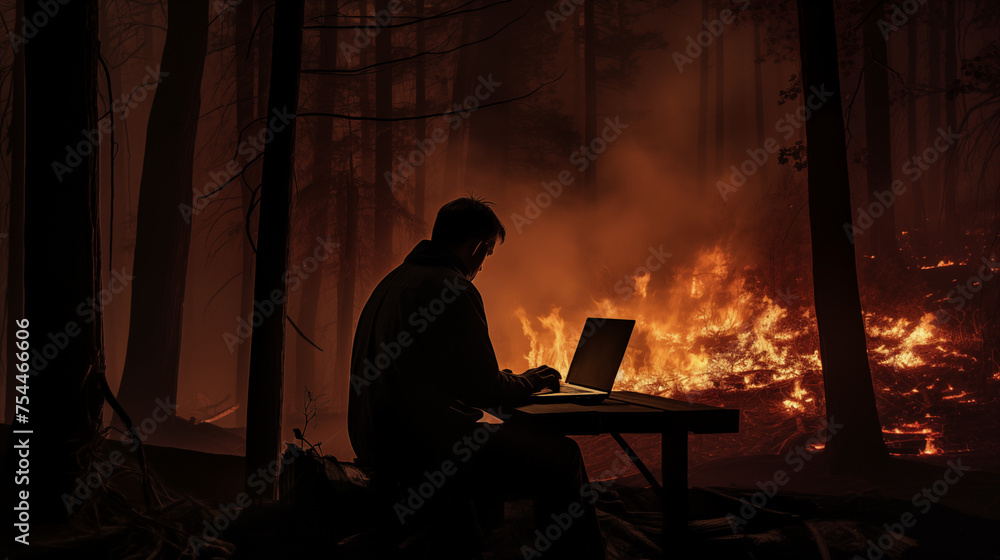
469, 228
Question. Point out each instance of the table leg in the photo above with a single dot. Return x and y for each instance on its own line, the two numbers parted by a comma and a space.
674, 503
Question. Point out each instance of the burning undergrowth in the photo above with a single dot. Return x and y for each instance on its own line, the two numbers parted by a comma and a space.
712, 332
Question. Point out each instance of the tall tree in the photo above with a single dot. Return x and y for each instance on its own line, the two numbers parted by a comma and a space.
912, 61
15, 237
384, 197
163, 235
720, 95
850, 398
934, 107
703, 109
949, 190
490, 129
347, 228
455, 156
245, 114
267, 346
420, 108
590, 93
315, 200
62, 213
878, 132
758, 89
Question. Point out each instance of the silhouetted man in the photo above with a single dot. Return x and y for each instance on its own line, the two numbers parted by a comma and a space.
423, 369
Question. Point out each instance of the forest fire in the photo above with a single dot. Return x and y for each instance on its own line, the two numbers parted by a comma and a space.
710, 330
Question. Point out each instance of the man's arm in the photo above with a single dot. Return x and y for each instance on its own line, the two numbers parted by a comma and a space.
472, 370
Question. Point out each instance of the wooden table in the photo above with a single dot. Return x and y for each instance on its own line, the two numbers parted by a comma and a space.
625, 412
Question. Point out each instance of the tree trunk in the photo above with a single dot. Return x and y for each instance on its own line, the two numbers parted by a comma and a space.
163, 235
384, 199
758, 88
419, 125
61, 211
315, 201
245, 61
949, 200
489, 129
934, 109
720, 96
455, 156
15, 237
917, 186
590, 95
703, 109
850, 398
878, 135
267, 348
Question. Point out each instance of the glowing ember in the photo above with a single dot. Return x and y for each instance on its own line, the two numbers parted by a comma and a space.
939, 265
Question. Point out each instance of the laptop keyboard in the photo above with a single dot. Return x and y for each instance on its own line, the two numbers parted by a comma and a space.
571, 389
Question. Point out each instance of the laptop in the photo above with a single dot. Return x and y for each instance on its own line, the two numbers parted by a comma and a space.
595, 363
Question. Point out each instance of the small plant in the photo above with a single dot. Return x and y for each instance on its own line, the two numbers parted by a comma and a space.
310, 411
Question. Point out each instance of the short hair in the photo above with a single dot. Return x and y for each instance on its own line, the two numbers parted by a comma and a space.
469, 217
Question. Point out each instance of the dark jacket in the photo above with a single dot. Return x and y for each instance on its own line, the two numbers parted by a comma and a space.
422, 359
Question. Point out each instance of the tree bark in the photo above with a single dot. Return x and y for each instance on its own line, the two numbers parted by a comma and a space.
163, 235
918, 186
384, 198
878, 135
850, 398
489, 129
245, 62
590, 95
758, 88
315, 201
949, 199
934, 109
267, 349
455, 157
15, 236
703, 109
720, 96
62, 213
420, 125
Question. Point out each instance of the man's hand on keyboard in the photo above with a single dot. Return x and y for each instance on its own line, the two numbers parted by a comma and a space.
543, 377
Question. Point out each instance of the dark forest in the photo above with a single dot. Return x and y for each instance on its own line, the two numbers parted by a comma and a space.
209, 208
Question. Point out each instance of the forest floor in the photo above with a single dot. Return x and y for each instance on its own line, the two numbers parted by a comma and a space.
741, 507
